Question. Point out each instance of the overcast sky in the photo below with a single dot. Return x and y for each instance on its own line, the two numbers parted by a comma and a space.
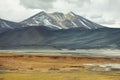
105, 12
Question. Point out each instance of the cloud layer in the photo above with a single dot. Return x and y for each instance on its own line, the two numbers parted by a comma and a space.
37, 4
12, 10
104, 12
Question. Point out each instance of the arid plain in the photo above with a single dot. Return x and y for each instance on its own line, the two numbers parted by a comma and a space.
56, 67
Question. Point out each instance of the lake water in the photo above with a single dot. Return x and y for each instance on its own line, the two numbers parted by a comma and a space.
80, 52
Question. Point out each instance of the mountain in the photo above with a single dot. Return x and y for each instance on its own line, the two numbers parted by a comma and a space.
7, 25
59, 20
41, 36
57, 30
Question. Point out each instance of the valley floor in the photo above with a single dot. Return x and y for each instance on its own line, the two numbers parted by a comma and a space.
58, 67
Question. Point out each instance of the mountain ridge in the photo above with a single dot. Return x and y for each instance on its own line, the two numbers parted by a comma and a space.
6, 25
58, 20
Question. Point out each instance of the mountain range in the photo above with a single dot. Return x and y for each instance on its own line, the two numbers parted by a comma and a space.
59, 31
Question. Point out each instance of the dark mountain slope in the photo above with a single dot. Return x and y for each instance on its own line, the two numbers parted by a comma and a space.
42, 36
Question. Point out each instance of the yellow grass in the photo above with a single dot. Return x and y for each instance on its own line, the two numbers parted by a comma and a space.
41, 67
75, 75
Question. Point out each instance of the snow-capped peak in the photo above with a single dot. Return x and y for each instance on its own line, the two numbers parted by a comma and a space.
60, 21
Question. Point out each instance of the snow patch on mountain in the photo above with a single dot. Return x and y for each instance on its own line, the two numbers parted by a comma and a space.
59, 20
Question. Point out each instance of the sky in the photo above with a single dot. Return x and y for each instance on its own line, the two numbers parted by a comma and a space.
104, 12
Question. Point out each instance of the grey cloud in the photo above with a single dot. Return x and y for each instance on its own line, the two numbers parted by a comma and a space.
110, 22
37, 4
108, 9
101, 20
79, 2
114, 4
95, 16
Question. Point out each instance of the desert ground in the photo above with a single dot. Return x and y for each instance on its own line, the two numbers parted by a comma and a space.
57, 67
